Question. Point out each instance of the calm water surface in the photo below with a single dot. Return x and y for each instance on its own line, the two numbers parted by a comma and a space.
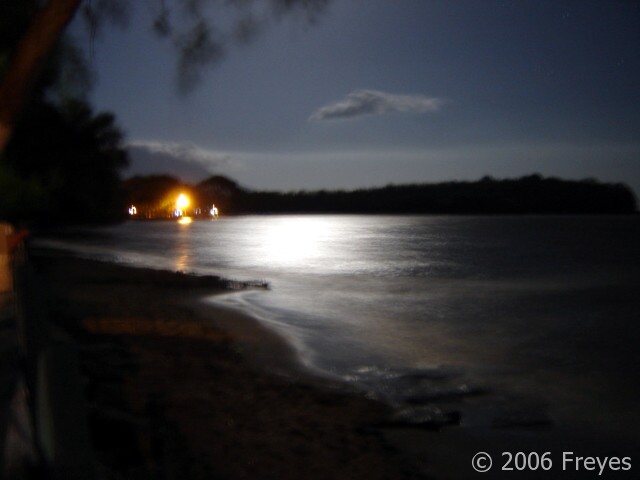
514, 321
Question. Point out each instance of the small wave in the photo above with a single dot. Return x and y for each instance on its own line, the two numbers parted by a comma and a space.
427, 417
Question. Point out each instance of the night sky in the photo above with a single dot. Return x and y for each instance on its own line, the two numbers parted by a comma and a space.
381, 91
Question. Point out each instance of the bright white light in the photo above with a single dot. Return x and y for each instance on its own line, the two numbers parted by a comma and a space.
293, 240
183, 201
213, 211
133, 210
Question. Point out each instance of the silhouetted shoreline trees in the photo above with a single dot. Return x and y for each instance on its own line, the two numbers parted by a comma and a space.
531, 194
62, 161
63, 166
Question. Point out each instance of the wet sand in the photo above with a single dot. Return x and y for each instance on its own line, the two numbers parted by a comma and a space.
178, 388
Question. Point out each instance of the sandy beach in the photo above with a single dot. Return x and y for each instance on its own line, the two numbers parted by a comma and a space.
177, 388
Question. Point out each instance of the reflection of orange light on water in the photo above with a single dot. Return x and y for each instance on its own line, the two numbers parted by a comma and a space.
184, 220
182, 263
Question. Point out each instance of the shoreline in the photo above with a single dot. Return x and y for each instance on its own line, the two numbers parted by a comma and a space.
159, 357
262, 345
224, 395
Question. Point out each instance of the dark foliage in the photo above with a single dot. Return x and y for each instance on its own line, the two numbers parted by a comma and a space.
532, 194
221, 191
71, 157
62, 163
153, 195
202, 31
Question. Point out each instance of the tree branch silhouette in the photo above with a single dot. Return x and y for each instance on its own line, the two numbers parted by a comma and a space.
189, 24
27, 61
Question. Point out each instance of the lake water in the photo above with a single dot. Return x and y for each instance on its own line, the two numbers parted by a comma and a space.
516, 322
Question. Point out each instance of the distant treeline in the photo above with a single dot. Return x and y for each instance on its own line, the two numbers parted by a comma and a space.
154, 197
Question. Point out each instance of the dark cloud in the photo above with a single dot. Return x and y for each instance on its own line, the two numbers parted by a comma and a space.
185, 161
372, 102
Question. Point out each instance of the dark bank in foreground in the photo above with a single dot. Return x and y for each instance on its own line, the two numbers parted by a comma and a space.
173, 395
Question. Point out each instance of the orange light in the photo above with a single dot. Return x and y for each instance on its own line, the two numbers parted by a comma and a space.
183, 201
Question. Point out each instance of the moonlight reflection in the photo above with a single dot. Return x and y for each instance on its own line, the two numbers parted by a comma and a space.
292, 240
